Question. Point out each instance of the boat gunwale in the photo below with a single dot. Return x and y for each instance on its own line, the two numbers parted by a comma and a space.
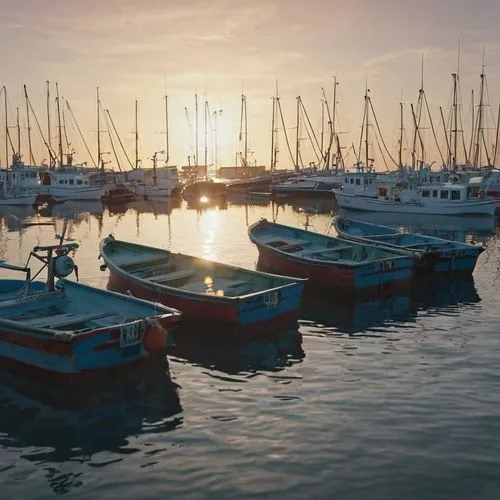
455, 245
323, 263
178, 291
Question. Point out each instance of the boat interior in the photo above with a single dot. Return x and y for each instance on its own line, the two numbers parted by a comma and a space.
74, 309
193, 274
327, 249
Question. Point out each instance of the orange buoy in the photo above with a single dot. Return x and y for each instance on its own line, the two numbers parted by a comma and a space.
155, 337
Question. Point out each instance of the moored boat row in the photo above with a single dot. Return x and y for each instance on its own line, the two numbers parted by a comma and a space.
65, 331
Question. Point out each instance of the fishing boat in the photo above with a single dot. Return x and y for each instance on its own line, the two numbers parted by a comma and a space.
433, 254
403, 197
67, 332
329, 261
223, 298
9, 196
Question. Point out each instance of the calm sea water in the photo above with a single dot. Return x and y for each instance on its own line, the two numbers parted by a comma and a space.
390, 398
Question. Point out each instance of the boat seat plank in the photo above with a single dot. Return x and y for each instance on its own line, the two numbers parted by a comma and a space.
175, 275
135, 261
64, 319
282, 243
325, 250
227, 285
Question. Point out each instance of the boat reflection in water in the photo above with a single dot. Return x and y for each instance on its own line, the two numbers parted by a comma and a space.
206, 202
272, 353
56, 426
445, 226
311, 206
388, 309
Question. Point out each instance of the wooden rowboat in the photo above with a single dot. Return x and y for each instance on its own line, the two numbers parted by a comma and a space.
220, 298
434, 254
328, 261
69, 332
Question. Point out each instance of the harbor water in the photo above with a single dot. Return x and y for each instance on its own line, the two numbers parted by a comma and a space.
385, 397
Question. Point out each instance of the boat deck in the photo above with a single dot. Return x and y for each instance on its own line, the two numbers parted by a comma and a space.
78, 322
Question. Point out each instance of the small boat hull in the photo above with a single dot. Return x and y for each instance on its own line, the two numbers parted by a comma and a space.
433, 254
393, 270
247, 315
365, 203
20, 200
74, 348
84, 193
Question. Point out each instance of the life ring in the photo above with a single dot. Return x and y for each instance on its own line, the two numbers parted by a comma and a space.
155, 336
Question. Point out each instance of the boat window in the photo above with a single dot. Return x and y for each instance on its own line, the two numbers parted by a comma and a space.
71, 181
352, 181
61, 181
358, 182
444, 195
79, 183
434, 194
455, 194
426, 194
346, 180
438, 178
431, 178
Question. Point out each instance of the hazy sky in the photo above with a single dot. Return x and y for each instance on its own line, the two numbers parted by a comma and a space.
219, 48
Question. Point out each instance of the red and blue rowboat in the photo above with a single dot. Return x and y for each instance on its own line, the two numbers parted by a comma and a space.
214, 297
70, 332
328, 261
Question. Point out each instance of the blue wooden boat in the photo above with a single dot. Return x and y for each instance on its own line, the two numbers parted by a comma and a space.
223, 299
69, 332
434, 254
328, 261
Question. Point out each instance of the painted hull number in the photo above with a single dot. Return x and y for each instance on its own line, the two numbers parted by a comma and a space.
131, 334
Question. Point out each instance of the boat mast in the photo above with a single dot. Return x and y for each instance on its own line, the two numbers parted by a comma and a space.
28, 125
322, 128
49, 140
401, 136
100, 163
167, 148
297, 139
59, 128
205, 130
272, 133
6, 129
196, 131
367, 115
480, 130
18, 134
136, 139
496, 138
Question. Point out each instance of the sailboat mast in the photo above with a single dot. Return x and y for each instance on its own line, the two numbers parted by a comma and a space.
49, 140
367, 115
322, 128
246, 130
30, 151
401, 136
196, 131
272, 133
59, 127
18, 133
455, 122
6, 129
480, 131
297, 140
167, 146
100, 164
205, 130
136, 139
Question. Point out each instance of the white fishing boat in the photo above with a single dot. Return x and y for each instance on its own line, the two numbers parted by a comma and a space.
403, 197
73, 185
16, 196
